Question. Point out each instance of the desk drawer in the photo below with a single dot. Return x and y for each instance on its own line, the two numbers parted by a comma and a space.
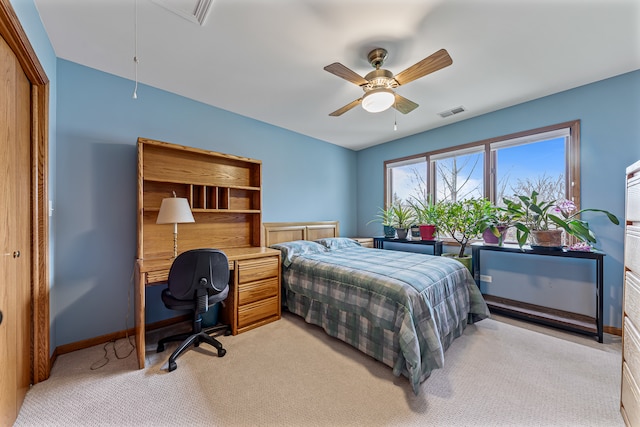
256, 291
630, 396
632, 212
632, 297
632, 248
631, 347
258, 269
252, 313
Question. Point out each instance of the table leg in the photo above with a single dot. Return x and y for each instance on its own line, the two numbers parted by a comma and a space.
599, 297
139, 316
475, 264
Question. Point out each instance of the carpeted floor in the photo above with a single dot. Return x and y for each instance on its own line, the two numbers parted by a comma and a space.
289, 373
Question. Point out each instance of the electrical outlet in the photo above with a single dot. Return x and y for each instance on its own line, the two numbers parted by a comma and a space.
485, 278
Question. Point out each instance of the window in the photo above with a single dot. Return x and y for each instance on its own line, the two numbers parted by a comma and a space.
545, 160
406, 180
536, 162
458, 175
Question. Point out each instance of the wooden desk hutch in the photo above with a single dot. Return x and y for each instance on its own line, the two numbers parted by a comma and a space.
225, 195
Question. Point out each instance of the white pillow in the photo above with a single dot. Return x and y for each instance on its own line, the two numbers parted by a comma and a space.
298, 247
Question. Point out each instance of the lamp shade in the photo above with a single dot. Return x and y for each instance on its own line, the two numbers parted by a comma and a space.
174, 210
378, 100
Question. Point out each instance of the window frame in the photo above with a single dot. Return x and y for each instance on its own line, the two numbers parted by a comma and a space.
572, 160
388, 180
441, 155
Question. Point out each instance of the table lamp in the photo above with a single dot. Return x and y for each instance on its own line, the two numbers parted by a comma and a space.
174, 210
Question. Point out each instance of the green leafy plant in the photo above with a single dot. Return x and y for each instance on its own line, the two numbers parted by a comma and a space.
385, 216
498, 220
463, 220
532, 214
426, 212
403, 216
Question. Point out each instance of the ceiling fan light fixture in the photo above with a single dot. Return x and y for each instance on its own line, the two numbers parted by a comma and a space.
377, 100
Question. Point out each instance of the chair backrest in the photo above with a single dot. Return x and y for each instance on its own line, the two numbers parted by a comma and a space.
198, 272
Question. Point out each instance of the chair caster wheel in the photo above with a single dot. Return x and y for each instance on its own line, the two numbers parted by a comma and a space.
160, 348
172, 366
227, 332
222, 352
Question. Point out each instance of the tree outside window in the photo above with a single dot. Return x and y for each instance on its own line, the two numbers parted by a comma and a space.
458, 175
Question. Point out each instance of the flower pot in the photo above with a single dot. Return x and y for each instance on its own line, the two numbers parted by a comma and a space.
428, 232
546, 239
415, 232
465, 260
491, 239
389, 232
402, 233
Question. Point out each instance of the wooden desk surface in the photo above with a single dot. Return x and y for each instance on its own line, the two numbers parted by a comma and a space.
234, 254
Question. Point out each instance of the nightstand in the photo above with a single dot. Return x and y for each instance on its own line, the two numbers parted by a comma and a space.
366, 242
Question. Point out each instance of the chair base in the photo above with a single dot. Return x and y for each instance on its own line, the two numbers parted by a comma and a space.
226, 329
193, 338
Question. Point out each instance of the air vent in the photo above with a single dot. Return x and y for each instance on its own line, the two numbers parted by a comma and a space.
195, 11
452, 111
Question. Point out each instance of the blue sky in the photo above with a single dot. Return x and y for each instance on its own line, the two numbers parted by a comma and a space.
532, 160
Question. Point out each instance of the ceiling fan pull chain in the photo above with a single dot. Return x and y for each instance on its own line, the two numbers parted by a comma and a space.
395, 115
135, 48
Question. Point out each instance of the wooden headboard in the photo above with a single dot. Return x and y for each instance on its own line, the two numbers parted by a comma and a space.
278, 232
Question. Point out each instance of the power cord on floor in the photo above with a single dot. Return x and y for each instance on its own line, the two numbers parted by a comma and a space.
105, 359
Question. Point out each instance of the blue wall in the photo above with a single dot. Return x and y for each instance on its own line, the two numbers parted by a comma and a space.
609, 111
95, 221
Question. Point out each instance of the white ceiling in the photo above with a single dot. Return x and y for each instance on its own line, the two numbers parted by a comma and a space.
264, 59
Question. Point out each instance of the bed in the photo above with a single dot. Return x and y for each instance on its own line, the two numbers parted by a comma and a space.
403, 309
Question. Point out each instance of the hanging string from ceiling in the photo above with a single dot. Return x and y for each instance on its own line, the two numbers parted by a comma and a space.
135, 48
395, 114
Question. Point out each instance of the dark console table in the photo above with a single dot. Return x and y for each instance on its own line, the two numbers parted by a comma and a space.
378, 243
567, 320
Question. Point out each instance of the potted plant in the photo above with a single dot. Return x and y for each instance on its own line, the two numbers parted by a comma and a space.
495, 224
386, 216
426, 214
415, 231
544, 221
403, 218
463, 221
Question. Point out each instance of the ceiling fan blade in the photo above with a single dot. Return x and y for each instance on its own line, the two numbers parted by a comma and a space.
403, 105
349, 106
341, 71
428, 65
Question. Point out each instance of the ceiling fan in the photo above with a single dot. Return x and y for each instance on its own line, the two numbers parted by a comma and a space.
378, 85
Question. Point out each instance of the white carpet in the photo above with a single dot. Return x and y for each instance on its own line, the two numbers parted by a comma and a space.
289, 373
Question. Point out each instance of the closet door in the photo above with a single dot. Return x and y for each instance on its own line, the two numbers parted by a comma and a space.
15, 229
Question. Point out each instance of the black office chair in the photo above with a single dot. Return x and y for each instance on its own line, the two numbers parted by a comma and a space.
198, 279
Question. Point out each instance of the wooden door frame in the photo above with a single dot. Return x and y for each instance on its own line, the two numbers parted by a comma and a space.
13, 33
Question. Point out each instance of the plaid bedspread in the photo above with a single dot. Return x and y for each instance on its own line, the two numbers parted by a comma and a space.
403, 309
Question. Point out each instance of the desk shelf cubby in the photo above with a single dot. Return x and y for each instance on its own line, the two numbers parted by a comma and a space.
207, 197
